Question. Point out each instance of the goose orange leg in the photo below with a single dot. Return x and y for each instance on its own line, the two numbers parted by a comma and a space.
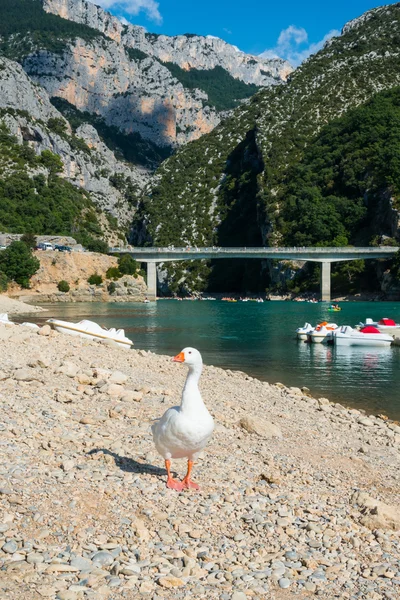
186, 482
172, 484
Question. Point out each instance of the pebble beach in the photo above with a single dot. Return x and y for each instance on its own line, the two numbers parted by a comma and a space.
299, 496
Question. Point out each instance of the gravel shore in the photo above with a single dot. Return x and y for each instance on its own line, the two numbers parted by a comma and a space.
300, 497
15, 307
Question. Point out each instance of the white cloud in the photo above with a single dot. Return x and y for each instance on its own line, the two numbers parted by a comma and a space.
293, 45
134, 7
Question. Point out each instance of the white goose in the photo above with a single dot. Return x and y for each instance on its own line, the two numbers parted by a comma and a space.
183, 431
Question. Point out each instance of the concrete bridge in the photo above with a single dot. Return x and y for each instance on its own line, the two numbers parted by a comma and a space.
325, 256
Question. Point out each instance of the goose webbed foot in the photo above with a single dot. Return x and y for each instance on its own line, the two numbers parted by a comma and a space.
172, 484
187, 483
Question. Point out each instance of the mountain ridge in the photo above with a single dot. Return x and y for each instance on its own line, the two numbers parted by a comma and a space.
243, 166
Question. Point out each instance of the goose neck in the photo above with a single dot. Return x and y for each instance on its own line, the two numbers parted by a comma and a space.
191, 396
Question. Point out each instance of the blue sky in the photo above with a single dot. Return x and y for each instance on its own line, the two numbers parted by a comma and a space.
290, 28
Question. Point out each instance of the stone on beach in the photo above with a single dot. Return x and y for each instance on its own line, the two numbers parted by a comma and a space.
261, 427
377, 514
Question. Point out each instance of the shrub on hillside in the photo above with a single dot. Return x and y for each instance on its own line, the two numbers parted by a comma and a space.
111, 287
63, 286
18, 264
127, 265
29, 239
113, 273
95, 245
95, 279
3, 282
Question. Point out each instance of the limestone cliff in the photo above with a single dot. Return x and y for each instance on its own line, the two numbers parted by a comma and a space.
28, 114
188, 51
123, 74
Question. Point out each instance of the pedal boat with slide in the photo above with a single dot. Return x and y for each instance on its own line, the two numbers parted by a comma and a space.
92, 331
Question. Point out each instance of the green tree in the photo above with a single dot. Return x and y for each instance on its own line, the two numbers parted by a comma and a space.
96, 245
113, 273
3, 282
29, 239
51, 161
63, 286
111, 287
95, 279
127, 265
18, 264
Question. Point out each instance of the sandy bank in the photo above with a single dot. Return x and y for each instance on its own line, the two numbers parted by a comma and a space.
84, 512
15, 307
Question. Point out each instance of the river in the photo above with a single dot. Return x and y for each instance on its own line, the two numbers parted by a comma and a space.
259, 339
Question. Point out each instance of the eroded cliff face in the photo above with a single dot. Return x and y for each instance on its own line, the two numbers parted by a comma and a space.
136, 92
134, 95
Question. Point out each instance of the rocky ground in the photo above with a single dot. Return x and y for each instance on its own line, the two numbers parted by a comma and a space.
299, 496
15, 307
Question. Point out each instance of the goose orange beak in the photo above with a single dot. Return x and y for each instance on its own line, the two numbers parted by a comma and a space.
179, 358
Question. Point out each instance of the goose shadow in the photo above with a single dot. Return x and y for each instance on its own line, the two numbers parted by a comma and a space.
130, 465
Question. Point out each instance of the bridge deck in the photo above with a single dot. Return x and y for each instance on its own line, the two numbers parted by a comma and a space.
305, 254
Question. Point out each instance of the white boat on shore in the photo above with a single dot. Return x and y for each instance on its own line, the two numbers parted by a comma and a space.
301, 332
367, 336
4, 320
92, 331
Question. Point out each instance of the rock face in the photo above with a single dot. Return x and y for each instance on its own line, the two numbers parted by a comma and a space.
76, 268
138, 96
26, 113
187, 51
136, 92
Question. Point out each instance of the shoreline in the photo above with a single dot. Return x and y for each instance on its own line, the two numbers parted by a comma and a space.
17, 307
277, 517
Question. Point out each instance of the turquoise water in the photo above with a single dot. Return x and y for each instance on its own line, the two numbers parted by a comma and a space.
259, 339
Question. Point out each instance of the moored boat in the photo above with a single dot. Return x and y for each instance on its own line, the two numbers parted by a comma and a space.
367, 336
322, 333
384, 325
301, 332
92, 331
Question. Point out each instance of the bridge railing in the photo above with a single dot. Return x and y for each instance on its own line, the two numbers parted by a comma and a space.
263, 250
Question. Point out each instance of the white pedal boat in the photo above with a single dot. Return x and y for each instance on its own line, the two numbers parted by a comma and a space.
92, 331
322, 333
367, 336
302, 332
384, 325
4, 320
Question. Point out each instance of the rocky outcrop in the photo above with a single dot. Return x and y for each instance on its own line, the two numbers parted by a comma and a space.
26, 113
75, 268
18, 93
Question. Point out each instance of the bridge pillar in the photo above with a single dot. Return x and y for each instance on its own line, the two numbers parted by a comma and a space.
152, 281
326, 281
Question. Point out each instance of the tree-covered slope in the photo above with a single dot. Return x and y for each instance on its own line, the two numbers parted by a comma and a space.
25, 26
335, 192
224, 92
34, 198
197, 190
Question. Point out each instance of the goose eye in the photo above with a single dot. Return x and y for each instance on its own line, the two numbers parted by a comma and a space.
190, 353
